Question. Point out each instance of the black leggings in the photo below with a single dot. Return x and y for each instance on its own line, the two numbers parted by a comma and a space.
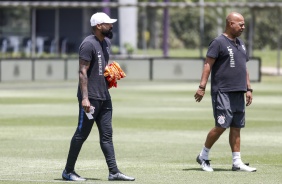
103, 118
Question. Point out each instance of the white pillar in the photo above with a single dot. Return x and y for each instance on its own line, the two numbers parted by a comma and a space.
127, 21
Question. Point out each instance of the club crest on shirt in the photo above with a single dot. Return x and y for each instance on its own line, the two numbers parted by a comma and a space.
221, 120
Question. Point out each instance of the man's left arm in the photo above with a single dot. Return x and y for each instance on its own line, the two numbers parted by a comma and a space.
249, 95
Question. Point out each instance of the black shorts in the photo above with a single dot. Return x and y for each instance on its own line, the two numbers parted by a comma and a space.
229, 109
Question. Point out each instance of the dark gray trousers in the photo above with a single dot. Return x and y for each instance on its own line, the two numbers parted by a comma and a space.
103, 118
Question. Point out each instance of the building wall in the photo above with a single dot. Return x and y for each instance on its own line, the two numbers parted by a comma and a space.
74, 25
70, 27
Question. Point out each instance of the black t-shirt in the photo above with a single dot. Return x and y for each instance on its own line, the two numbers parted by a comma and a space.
97, 53
229, 70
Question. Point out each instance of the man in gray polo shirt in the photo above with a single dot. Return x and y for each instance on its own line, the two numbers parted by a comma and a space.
94, 99
226, 60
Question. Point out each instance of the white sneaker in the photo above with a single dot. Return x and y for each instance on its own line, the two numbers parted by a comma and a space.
244, 167
204, 163
72, 176
120, 176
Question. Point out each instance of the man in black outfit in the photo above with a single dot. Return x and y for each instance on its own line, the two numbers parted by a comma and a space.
226, 61
94, 98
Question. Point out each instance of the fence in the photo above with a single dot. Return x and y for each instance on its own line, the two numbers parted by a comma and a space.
186, 69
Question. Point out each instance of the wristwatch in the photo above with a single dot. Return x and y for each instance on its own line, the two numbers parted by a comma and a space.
249, 89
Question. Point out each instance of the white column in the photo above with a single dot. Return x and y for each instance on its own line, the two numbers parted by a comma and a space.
127, 21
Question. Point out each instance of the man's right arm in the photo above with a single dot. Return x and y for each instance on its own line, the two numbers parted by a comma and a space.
83, 83
204, 79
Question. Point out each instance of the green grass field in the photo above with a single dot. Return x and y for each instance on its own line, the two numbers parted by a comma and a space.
158, 131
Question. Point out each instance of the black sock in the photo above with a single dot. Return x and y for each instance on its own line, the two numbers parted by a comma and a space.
113, 170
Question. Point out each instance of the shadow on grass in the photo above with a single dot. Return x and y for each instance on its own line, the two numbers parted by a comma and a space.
87, 179
199, 169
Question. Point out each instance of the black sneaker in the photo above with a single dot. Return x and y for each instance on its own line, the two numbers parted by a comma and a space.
72, 176
120, 176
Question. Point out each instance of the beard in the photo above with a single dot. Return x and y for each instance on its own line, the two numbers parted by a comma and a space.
108, 33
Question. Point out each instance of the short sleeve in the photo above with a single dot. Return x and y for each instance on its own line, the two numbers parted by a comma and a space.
214, 49
86, 51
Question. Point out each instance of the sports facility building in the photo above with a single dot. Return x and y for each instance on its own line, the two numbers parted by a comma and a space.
59, 26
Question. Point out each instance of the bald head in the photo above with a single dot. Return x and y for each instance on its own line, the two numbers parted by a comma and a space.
235, 25
234, 16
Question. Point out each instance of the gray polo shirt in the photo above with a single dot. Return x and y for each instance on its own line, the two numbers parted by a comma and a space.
97, 53
229, 70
